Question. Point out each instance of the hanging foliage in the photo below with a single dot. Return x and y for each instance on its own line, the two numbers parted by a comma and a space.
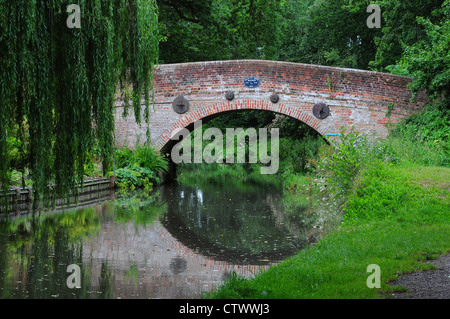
58, 84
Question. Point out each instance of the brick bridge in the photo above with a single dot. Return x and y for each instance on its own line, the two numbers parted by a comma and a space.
357, 98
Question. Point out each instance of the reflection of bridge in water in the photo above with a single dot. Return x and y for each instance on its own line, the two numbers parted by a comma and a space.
149, 262
186, 252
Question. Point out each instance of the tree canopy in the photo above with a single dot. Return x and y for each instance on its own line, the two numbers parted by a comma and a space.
428, 60
332, 32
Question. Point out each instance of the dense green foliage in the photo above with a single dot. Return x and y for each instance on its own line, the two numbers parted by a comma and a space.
58, 84
142, 156
330, 32
198, 30
138, 168
428, 61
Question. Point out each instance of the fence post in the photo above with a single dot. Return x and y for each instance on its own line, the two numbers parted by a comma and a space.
111, 181
30, 194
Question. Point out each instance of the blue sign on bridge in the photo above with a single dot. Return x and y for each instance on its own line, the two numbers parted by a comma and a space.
251, 82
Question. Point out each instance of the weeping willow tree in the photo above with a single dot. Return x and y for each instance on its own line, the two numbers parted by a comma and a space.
58, 84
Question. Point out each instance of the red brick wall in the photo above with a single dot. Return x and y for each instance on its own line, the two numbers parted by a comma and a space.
356, 98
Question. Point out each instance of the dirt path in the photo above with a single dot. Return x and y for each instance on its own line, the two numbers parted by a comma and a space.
427, 284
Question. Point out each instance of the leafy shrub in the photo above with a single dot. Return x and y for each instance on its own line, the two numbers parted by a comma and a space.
341, 162
145, 156
136, 177
123, 157
139, 168
430, 124
142, 156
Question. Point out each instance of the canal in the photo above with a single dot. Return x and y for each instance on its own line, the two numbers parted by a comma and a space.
176, 242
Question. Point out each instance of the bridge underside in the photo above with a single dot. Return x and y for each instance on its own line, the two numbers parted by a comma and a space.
364, 100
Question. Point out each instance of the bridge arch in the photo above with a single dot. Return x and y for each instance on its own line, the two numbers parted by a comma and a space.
164, 142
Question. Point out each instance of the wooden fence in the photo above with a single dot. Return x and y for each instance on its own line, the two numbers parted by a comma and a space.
19, 201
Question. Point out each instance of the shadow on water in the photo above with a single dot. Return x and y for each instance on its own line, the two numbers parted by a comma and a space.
173, 243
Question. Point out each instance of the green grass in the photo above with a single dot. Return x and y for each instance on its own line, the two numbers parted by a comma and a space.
336, 266
404, 193
395, 217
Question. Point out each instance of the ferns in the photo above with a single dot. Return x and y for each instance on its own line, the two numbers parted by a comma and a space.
139, 168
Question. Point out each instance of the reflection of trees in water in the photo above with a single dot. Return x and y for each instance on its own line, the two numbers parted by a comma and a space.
234, 225
36, 252
141, 207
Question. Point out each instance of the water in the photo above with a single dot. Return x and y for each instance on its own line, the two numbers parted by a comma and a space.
175, 243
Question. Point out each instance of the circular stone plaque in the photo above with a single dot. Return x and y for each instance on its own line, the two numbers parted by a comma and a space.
321, 111
274, 98
229, 95
180, 104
